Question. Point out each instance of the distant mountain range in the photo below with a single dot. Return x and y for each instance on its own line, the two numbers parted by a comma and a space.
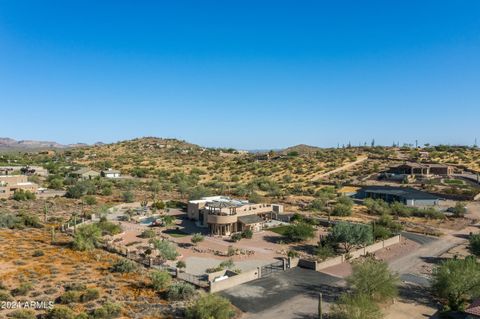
7, 144
10, 144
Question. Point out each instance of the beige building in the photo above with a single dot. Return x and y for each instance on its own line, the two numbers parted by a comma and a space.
224, 216
9, 184
85, 173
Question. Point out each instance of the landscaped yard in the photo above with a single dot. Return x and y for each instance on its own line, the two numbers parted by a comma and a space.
175, 233
281, 230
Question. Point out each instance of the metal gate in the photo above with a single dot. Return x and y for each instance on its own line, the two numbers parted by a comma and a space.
269, 269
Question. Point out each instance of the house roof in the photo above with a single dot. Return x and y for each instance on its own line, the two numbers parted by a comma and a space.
83, 171
111, 171
405, 192
250, 219
474, 308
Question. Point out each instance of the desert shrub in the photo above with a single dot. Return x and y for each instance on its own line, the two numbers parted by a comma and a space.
109, 228
89, 295
166, 249
160, 279
38, 253
181, 264
381, 232
21, 290
227, 264
75, 191
128, 197
124, 266
69, 297
21, 195
22, 314
236, 237
341, 210
10, 221
292, 253
474, 244
181, 291
148, 233
210, 306
5, 296
324, 251
75, 286
197, 238
108, 311
60, 312
90, 200
248, 233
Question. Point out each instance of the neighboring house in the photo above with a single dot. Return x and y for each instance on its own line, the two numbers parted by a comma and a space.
473, 311
224, 216
24, 170
420, 169
406, 195
34, 170
9, 184
85, 173
110, 173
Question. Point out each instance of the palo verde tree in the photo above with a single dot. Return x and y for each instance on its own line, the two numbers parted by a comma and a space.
355, 306
456, 281
373, 279
349, 235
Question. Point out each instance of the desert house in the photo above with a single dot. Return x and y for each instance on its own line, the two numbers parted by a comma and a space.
406, 195
421, 169
224, 215
110, 173
85, 173
9, 184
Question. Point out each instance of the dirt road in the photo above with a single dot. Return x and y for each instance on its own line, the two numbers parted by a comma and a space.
359, 160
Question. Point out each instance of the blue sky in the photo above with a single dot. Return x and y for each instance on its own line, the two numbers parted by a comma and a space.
246, 74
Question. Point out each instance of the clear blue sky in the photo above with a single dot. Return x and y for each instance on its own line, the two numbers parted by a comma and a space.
246, 74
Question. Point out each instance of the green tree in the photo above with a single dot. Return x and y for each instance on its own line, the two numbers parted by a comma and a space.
210, 306
87, 237
350, 235
373, 279
355, 306
456, 281
299, 232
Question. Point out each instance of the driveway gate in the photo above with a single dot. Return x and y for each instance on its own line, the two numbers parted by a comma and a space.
269, 269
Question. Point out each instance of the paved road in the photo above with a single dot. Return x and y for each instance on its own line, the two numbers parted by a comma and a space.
418, 238
287, 292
